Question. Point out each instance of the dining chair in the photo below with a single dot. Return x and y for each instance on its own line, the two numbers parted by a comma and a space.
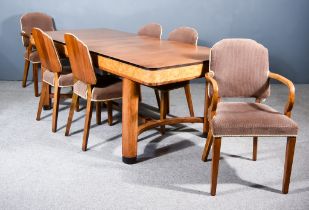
27, 22
54, 73
185, 35
153, 30
89, 86
240, 68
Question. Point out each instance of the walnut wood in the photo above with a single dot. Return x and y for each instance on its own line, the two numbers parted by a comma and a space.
208, 144
71, 113
157, 97
206, 107
57, 90
109, 105
215, 165
169, 121
215, 95
26, 70
35, 79
289, 155
163, 108
80, 60
98, 112
189, 99
41, 102
291, 98
87, 119
129, 119
138, 57
255, 145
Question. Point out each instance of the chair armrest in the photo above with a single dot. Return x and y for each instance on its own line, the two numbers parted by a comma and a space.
215, 94
24, 35
291, 98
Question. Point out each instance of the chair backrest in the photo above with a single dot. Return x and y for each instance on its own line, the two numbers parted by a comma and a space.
241, 68
38, 20
152, 29
80, 59
184, 34
47, 51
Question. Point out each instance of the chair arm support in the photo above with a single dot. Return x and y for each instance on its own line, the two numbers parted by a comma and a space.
291, 98
24, 34
215, 94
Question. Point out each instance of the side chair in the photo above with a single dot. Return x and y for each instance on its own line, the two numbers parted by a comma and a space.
185, 35
88, 85
239, 68
54, 73
153, 30
27, 22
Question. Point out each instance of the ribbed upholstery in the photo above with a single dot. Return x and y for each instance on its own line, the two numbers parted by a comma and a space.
66, 79
152, 29
250, 119
241, 68
184, 34
107, 88
33, 57
35, 19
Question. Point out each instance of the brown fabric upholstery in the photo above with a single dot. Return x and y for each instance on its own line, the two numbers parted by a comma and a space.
33, 57
35, 19
66, 78
184, 34
241, 68
250, 119
107, 88
153, 30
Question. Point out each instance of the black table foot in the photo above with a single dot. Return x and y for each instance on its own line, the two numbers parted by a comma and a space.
130, 160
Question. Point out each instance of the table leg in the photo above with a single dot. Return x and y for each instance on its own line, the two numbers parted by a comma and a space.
130, 99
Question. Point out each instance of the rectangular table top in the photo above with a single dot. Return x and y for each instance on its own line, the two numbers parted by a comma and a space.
141, 51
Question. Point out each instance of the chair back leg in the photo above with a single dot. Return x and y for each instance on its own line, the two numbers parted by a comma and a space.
71, 113
57, 90
26, 69
98, 112
42, 99
109, 112
35, 79
87, 122
207, 147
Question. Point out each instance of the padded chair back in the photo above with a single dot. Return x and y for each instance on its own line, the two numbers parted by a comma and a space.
241, 68
152, 29
38, 20
47, 51
80, 59
184, 34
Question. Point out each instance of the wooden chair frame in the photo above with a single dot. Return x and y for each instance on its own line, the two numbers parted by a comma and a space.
211, 103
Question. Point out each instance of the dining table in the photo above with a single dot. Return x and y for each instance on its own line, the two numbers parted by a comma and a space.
140, 60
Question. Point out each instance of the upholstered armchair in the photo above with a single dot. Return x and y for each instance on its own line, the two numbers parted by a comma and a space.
240, 68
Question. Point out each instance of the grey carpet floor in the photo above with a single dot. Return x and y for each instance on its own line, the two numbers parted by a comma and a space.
44, 170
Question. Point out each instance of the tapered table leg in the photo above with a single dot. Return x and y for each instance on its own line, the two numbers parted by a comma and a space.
130, 99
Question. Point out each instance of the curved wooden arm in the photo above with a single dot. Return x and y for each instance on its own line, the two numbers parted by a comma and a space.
290, 103
215, 94
24, 34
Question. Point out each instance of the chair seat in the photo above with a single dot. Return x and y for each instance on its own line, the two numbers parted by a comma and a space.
172, 86
108, 87
66, 78
33, 57
250, 119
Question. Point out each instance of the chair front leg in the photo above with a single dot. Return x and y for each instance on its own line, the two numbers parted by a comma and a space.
57, 90
255, 145
87, 123
42, 98
26, 69
71, 113
189, 99
289, 155
215, 164
35, 79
